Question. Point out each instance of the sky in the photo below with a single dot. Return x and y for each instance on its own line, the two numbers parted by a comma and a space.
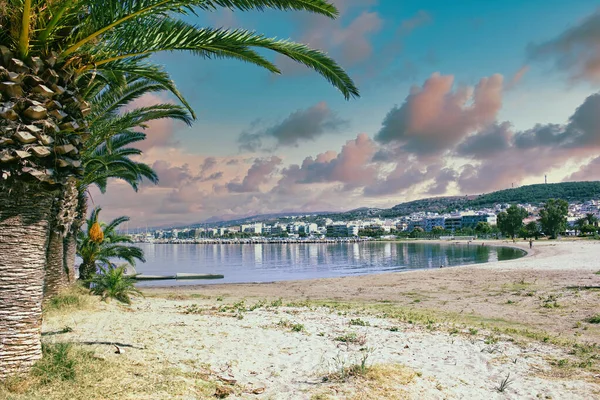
457, 98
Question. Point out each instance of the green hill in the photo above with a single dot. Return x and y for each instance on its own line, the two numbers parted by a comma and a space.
570, 191
532, 194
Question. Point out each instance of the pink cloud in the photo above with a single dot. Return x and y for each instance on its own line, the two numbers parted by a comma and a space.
434, 117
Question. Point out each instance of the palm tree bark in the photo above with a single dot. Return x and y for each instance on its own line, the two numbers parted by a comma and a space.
24, 228
86, 272
69, 254
57, 269
56, 275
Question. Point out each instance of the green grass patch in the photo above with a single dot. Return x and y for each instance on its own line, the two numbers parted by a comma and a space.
74, 298
359, 322
594, 320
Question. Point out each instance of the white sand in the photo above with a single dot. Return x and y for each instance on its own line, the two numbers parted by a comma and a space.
258, 352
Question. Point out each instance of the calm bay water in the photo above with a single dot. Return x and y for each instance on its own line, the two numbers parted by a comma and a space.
277, 262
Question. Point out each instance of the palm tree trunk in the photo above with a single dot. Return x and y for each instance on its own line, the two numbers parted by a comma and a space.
86, 272
24, 228
57, 273
69, 254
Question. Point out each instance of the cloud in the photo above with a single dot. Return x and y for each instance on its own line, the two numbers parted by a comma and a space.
421, 18
582, 130
489, 141
159, 133
172, 176
575, 51
442, 181
517, 77
258, 174
351, 166
348, 39
587, 172
435, 117
301, 125
207, 165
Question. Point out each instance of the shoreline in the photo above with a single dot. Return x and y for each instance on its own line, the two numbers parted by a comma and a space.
494, 243
450, 333
511, 291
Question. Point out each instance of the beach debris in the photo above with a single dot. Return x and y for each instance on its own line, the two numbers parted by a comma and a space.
229, 381
118, 349
222, 392
259, 390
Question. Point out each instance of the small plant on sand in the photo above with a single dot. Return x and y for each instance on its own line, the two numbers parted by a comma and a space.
504, 384
112, 283
352, 337
473, 331
491, 340
550, 301
294, 327
193, 309
297, 328
74, 298
594, 320
394, 329
359, 322
257, 305
597, 272
277, 303
343, 369
59, 362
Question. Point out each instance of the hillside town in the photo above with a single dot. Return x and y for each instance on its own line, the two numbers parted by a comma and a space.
459, 223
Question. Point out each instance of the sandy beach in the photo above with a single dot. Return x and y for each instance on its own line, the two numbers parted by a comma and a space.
451, 333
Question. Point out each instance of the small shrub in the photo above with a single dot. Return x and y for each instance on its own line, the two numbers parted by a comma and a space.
112, 283
290, 325
473, 331
594, 320
550, 301
491, 340
344, 370
562, 362
359, 322
75, 298
57, 364
394, 329
352, 337
193, 309
277, 303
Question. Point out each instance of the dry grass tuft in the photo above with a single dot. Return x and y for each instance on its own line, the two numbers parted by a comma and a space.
75, 298
380, 381
76, 373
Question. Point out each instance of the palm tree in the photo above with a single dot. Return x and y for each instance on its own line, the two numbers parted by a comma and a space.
103, 248
107, 155
49, 51
591, 218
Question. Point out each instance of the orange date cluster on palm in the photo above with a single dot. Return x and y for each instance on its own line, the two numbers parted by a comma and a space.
42, 120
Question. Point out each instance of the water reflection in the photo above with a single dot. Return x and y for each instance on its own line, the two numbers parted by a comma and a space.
273, 262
